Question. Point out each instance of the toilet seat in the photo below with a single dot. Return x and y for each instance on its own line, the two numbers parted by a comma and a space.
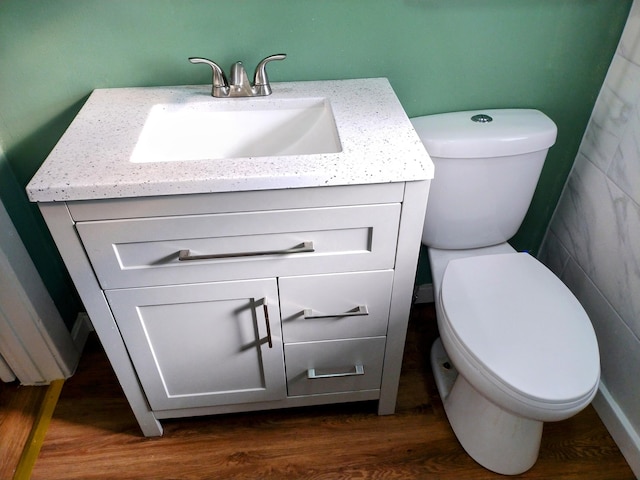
520, 328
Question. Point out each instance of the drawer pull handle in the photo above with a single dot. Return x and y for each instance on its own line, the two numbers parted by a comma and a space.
266, 319
357, 370
185, 255
359, 311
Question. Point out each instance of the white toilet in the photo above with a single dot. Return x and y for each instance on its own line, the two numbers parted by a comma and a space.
516, 348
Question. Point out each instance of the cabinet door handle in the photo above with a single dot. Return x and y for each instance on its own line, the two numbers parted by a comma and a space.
359, 311
185, 255
357, 370
266, 319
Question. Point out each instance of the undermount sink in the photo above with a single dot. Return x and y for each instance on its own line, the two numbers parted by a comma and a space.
234, 128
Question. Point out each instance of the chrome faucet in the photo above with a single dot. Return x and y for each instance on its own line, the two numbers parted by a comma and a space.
239, 86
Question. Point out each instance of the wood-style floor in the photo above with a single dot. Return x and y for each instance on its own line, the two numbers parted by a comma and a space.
19, 408
93, 435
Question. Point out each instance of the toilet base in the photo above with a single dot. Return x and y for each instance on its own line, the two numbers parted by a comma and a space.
444, 372
495, 438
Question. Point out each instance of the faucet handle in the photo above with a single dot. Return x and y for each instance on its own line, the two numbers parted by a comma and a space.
260, 78
220, 85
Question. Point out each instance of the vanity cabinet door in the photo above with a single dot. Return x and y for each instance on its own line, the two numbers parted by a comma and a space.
204, 344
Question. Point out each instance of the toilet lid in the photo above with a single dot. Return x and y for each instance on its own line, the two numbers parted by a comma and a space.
521, 326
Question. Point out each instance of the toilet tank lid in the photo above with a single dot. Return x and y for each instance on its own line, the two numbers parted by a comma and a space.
510, 132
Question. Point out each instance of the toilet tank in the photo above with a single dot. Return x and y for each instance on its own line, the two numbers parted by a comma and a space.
487, 165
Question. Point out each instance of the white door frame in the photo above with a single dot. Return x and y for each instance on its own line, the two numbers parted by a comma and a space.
35, 344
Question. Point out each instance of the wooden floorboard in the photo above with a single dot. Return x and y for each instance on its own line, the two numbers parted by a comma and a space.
93, 435
19, 407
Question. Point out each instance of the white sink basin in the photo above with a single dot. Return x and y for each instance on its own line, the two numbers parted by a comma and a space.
234, 128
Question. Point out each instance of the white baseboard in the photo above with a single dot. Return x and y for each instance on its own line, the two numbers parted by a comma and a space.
424, 293
619, 427
81, 329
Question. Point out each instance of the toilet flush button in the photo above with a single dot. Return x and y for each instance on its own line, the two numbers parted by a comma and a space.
482, 118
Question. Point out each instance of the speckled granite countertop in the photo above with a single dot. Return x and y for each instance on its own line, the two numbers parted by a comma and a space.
92, 159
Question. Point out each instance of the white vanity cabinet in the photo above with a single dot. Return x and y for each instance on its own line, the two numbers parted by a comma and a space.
224, 302
238, 283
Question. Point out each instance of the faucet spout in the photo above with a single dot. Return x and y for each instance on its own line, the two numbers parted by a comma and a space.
239, 85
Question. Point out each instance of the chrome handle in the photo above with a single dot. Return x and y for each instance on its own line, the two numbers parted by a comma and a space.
359, 311
260, 79
357, 370
185, 255
266, 319
219, 83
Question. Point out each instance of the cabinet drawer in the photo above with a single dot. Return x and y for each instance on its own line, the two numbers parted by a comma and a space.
334, 366
342, 305
146, 251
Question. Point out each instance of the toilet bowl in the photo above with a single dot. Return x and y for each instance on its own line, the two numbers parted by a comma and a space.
516, 348
524, 350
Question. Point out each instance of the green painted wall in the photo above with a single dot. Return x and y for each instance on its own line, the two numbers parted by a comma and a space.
440, 55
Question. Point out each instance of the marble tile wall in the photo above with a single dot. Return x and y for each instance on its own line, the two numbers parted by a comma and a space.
593, 241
